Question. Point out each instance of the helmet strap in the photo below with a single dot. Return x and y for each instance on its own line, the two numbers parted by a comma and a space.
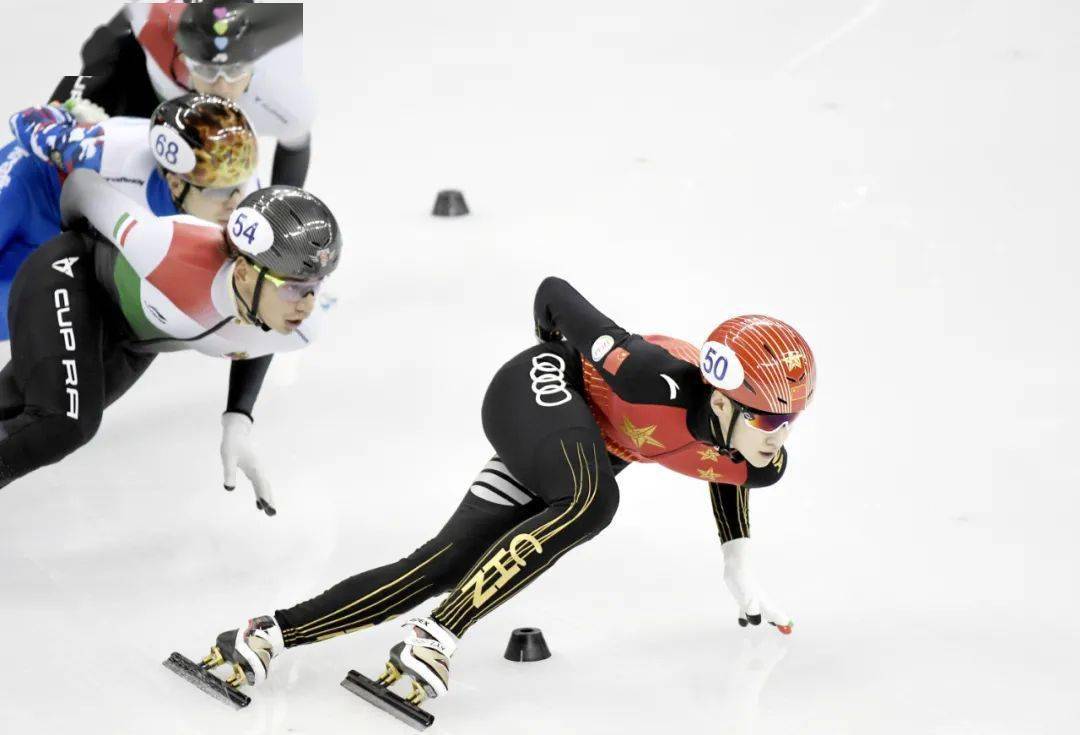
178, 201
731, 425
724, 440
252, 314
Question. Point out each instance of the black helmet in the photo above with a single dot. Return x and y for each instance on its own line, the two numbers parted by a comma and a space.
205, 140
287, 231
236, 31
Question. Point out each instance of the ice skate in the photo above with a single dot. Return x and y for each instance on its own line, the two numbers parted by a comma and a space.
424, 657
248, 651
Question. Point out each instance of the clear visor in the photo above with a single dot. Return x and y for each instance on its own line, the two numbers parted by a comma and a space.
218, 195
210, 73
293, 291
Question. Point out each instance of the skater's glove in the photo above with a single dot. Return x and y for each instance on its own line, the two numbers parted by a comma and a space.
86, 112
753, 602
238, 450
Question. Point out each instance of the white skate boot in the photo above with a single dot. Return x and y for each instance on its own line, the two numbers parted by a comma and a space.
250, 650
424, 656
247, 650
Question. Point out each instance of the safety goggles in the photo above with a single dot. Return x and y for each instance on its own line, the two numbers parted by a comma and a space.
218, 195
210, 73
766, 422
291, 290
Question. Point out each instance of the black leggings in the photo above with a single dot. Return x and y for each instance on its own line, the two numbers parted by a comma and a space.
551, 487
67, 363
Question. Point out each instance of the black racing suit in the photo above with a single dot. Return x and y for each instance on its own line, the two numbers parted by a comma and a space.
550, 488
72, 355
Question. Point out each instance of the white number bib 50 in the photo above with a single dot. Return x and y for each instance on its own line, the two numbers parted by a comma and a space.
720, 366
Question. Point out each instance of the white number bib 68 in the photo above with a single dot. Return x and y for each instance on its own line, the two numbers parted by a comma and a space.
720, 366
171, 150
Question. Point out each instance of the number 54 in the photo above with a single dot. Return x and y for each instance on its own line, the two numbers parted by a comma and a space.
238, 229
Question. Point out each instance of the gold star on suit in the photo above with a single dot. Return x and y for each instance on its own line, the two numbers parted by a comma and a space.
708, 474
640, 435
709, 455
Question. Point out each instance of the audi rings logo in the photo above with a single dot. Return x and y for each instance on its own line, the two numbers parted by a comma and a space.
548, 380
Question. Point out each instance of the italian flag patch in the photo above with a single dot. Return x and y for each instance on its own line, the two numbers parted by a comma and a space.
123, 228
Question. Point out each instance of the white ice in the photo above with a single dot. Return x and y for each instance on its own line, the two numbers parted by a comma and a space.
897, 178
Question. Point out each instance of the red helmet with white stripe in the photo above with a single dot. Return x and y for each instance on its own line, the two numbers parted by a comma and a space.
761, 363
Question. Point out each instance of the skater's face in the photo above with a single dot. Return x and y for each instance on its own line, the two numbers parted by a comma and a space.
750, 436
284, 304
212, 205
229, 82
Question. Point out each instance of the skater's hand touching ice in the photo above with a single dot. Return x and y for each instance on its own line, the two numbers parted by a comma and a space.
754, 605
238, 451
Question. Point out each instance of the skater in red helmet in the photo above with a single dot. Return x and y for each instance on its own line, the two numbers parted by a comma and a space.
565, 417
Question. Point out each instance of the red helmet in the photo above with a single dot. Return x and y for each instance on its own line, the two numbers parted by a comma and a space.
761, 363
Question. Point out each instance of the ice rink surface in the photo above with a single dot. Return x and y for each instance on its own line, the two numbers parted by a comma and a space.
896, 178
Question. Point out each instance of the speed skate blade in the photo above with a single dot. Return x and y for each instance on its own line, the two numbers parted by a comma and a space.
203, 679
387, 701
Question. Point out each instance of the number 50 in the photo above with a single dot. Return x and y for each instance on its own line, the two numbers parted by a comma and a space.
716, 365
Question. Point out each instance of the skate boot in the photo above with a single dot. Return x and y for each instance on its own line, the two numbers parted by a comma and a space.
247, 650
424, 656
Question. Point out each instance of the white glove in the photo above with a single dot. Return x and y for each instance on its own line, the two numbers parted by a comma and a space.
751, 598
86, 112
238, 450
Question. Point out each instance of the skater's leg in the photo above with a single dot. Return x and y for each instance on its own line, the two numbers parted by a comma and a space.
57, 362
122, 369
495, 502
539, 423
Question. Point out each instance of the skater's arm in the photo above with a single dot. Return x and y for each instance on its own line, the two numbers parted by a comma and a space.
102, 56
143, 238
731, 509
560, 310
291, 164
245, 382
54, 136
730, 502
237, 450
